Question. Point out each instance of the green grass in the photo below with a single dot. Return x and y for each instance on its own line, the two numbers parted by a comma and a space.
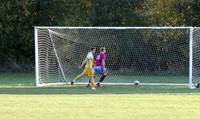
129, 77
20, 99
148, 78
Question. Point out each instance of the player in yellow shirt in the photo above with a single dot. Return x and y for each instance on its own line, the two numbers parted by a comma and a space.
88, 69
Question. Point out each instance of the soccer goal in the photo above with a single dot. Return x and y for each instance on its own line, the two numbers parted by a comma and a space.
151, 55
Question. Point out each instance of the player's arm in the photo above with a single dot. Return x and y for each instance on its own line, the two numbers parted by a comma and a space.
91, 64
83, 63
103, 63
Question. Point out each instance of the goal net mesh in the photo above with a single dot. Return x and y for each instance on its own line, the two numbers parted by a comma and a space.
146, 55
196, 57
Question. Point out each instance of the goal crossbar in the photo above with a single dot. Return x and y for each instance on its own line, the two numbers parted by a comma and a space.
114, 27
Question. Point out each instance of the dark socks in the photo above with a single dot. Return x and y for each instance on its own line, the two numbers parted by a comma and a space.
102, 78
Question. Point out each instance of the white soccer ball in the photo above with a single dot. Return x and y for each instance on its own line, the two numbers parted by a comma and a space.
136, 83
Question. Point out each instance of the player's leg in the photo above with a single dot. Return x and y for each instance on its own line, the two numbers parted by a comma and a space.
103, 76
78, 77
89, 81
90, 74
92, 82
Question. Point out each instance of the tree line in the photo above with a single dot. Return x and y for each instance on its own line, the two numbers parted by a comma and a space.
18, 18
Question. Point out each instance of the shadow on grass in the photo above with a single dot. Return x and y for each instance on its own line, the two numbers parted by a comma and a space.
104, 90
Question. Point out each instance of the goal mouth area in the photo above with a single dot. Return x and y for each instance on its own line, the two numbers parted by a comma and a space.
166, 49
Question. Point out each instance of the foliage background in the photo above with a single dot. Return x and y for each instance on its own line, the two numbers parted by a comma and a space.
18, 17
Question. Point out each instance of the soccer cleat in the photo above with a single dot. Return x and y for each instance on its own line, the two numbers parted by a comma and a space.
99, 85
72, 83
88, 85
93, 88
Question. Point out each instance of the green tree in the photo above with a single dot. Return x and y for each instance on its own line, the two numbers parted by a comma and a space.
115, 13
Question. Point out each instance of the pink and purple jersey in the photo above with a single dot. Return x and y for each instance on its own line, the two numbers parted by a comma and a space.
99, 59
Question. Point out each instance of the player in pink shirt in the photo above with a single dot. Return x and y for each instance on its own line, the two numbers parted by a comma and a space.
99, 67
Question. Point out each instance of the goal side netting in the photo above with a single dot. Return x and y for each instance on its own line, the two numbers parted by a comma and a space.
195, 58
151, 55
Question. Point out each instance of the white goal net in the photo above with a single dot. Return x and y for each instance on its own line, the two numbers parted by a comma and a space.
151, 55
195, 58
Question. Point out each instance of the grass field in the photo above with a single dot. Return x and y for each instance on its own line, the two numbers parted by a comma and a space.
20, 99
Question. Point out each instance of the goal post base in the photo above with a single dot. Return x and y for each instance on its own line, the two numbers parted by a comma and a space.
116, 84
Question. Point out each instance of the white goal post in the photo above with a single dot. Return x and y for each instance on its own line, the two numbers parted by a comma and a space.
151, 55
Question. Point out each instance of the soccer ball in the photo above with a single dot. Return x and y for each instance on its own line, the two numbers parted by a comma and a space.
136, 83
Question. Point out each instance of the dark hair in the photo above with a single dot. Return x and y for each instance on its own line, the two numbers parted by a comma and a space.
93, 48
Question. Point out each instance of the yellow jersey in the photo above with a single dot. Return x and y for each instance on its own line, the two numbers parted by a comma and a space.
89, 70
